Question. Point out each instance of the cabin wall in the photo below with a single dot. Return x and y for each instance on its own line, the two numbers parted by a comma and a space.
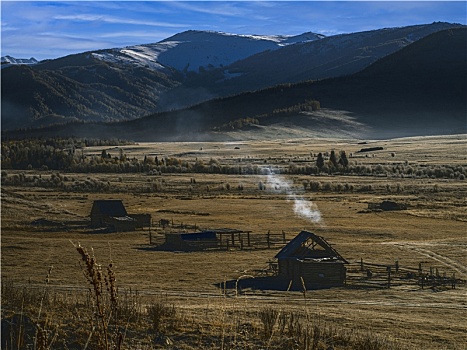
314, 274
97, 219
121, 225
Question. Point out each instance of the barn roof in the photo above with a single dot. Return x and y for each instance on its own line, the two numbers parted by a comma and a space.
110, 207
197, 236
299, 247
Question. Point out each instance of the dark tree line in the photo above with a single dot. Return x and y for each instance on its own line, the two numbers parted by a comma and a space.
56, 153
67, 155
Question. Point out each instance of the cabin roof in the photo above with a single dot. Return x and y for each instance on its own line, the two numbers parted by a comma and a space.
299, 247
110, 207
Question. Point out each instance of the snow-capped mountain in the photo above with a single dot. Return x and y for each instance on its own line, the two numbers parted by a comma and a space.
8, 60
197, 50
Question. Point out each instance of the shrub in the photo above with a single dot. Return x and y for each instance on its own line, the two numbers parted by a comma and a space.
160, 314
315, 185
268, 318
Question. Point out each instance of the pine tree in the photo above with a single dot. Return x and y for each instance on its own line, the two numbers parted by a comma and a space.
333, 159
320, 161
343, 159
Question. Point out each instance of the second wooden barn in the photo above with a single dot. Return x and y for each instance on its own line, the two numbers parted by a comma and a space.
111, 213
309, 261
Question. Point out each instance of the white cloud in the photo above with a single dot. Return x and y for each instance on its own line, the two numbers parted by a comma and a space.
117, 20
218, 8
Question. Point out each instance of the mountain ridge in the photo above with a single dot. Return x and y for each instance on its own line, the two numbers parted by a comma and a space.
387, 99
85, 87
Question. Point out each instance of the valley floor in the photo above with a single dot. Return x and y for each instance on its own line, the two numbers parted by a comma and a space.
41, 225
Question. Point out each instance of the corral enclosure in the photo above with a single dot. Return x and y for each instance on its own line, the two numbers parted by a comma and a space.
430, 232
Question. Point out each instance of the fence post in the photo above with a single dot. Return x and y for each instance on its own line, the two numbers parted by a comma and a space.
388, 269
241, 243
248, 238
283, 236
267, 237
361, 264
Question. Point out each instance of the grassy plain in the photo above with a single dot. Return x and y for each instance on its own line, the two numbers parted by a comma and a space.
432, 231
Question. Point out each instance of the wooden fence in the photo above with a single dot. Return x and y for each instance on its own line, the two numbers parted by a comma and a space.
226, 239
364, 273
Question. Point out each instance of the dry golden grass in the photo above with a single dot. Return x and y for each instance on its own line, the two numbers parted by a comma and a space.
432, 232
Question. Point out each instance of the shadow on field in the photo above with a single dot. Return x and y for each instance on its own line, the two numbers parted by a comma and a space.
47, 225
265, 283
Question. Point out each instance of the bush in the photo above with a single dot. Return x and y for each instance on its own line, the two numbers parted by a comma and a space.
315, 185
161, 315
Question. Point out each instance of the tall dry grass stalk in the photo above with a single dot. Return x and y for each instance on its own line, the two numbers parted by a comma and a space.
104, 296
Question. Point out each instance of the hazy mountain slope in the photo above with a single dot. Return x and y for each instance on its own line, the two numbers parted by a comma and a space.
418, 90
117, 84
79, 87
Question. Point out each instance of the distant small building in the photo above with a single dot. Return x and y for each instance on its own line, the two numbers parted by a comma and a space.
111, 213
311, 261
223, 238
142, 220
387, 206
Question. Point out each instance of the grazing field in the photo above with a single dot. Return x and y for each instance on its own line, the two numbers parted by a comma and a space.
42, 225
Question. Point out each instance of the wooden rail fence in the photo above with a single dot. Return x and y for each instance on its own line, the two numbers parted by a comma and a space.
388, 275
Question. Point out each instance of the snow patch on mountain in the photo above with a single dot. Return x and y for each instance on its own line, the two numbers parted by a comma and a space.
195, 50
7, 61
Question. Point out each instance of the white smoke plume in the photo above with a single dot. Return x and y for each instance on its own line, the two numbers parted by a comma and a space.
302, 207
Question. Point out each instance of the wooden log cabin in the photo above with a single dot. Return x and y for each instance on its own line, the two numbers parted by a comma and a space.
309, 261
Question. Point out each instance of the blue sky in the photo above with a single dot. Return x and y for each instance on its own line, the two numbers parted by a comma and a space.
51, 29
